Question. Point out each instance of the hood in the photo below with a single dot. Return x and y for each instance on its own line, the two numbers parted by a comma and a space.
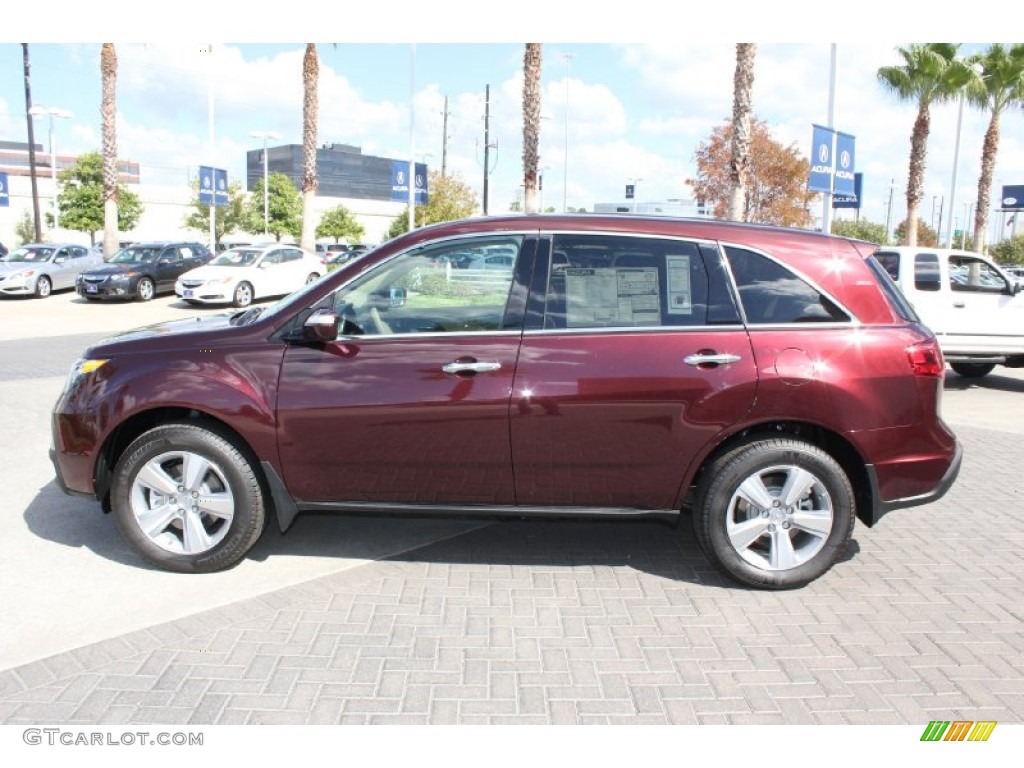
169, 329
9, 267
113, 269
212, 273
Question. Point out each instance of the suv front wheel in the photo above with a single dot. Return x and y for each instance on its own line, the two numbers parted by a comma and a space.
187, 499
775, 513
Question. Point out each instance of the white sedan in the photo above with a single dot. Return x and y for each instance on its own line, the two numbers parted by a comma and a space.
242, 275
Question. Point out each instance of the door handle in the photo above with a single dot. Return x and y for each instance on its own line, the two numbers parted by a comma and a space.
710, 358
959, 304
471, 367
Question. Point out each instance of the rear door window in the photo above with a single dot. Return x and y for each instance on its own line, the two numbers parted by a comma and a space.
615, 281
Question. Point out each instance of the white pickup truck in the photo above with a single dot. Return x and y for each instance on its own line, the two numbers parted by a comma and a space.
974, 308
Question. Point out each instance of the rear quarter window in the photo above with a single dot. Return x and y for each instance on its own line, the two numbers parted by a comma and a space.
771, 294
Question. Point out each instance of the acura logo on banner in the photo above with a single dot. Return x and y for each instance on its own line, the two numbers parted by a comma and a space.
825, 176
400, 182
213, 186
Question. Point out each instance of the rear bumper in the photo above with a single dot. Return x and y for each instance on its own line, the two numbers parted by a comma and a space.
882, 507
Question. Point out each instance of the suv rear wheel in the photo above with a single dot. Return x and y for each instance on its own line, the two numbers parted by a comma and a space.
187, 499
774, 513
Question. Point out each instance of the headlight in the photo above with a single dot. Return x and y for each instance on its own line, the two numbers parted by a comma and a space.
21, 275
81, 368
221, 281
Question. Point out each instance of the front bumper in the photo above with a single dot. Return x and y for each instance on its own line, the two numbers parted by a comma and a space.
24, 286
206, 294
106, 290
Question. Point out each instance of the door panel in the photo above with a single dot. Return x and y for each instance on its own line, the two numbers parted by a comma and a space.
379, 420
615, 420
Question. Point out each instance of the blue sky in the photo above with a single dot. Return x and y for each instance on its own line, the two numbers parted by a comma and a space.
636, 110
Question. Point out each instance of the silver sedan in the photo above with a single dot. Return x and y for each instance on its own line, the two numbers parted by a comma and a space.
38, 269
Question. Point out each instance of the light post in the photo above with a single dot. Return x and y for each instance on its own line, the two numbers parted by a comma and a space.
52, 112
977, 69
565, 168
888, 215
266, 175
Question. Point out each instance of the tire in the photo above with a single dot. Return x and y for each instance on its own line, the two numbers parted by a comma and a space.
43, 287
145, 290
312, 277
771, 544
151, 498
972, 370
243, 295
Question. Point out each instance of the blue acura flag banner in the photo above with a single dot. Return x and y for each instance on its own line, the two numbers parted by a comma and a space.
844, 164
220, 186
213, 186
5, 195
850, 201
832, 162
400, 182
821, 160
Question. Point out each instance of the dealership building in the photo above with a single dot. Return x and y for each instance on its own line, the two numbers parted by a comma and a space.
364, 184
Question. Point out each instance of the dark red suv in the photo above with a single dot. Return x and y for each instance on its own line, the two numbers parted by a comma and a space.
772, 382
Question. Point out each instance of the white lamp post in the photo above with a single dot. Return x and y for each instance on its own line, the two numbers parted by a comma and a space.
52, 112
565, 168
266, 176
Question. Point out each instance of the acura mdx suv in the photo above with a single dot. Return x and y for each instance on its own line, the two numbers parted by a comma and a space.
771, 385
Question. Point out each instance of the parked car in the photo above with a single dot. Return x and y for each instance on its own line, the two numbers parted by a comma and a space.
37, 269
975, 309
241, 275
1016, 274
772, 383
3, 251
141, 271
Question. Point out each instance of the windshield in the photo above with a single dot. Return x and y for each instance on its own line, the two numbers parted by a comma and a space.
237, 257
33, 255
136, 254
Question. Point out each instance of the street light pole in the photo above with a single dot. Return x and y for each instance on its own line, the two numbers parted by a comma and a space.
266, 176
565, 167
888, 215
52, 112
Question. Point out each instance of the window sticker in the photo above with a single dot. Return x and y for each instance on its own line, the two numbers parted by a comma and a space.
680, 295
610, 296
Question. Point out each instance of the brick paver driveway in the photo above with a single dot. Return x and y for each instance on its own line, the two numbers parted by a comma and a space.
551, 622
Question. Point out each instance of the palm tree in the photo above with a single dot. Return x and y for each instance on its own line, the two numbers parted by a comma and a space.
742, 110
1001, 86
108, 110
310, 107
931, 73
531, 123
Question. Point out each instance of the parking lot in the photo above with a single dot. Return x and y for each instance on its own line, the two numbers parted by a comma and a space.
381, 620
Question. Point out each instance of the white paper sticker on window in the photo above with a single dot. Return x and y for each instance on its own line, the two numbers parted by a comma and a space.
680, 297
609, 297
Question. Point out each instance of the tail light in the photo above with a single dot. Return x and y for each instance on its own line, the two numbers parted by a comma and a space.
926, 359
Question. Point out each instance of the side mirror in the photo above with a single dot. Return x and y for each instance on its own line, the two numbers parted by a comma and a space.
263, 265
322, 325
